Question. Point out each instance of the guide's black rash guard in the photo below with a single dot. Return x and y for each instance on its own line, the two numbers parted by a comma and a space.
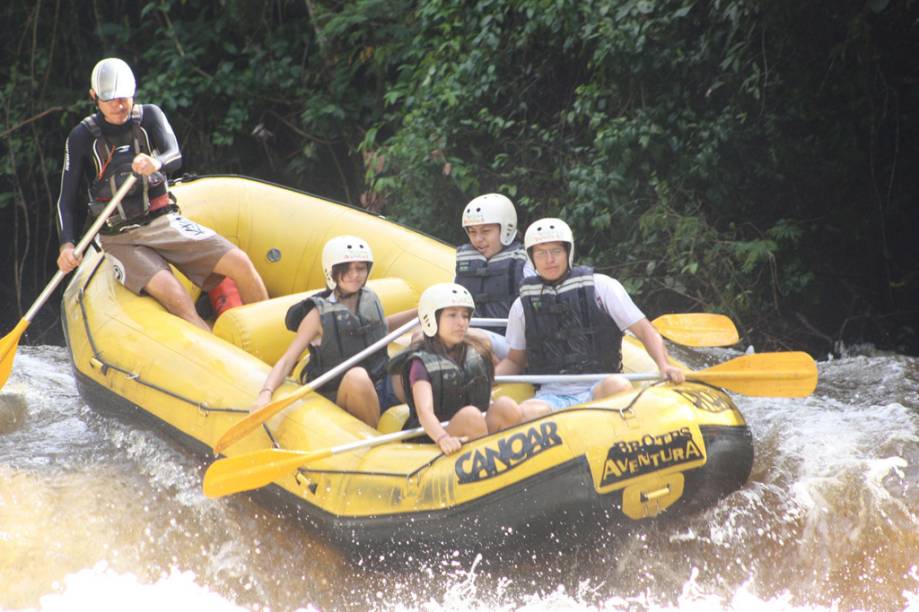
79, 167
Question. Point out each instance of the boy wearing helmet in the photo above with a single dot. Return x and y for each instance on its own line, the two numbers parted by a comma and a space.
569, 320
336, 324
146, 233
494, 263
447, 376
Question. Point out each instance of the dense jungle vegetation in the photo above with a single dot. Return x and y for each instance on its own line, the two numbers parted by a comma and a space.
747, 157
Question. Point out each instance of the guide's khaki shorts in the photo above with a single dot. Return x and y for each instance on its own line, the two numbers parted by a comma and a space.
139, 253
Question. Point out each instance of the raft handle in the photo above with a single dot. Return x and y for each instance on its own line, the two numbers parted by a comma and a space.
652, 495
305, 481
98, 365
629, 418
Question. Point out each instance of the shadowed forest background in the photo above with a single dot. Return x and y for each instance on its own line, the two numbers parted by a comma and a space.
759, 159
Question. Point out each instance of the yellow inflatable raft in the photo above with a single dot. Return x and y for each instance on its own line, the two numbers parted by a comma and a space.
620, 459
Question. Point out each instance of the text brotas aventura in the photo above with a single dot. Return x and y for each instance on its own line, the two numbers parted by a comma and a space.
628, 459
513, 450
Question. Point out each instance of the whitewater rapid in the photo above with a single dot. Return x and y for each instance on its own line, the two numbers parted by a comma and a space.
99, 513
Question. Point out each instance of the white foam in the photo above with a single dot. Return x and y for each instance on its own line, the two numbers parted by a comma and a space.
466, 596
102, 589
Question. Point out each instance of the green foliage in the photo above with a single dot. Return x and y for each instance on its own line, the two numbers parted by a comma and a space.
705, 153
600, 114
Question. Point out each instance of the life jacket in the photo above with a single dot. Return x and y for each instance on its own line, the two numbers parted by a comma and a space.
566, 330
453, 387
493, 282
344, 334
113, 167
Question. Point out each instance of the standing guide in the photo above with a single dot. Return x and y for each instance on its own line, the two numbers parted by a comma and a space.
147, 233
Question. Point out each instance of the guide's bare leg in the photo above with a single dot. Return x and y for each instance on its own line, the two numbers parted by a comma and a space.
166, 289
237, 265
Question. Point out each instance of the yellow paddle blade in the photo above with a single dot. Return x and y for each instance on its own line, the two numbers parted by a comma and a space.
697, 329
255, 470
785, 374
252, 422
8, 346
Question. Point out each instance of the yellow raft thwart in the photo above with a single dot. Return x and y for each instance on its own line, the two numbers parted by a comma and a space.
619, 459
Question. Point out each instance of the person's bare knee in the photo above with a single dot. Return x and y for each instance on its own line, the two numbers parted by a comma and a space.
237, 265
533, 409
611, 385
354, 375
468, 421
502, 414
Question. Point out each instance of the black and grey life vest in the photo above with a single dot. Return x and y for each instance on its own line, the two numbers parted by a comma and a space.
113, 167
453, 387
493, 282
566, 330
344, 334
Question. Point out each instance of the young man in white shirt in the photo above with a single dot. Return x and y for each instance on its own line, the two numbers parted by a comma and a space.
569, 320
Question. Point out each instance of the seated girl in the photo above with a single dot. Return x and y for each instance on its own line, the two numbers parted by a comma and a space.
337, 324
447, 376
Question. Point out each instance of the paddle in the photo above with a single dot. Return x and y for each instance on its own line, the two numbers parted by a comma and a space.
697, 329
259, 468
10, 341
250, 423
787, 374
691, 329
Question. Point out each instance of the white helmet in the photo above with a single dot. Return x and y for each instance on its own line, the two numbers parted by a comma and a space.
549, 229
112, 78
493, 208
437, 297
344, 249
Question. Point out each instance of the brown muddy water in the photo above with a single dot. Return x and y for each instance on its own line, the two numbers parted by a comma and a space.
99, 514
